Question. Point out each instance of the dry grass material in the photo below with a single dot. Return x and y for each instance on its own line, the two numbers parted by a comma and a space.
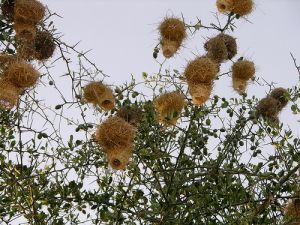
201, 70
221, 48
243, 69
224, 5
200, 93
169, 48
99, 94
239, 85
25, 32
9, 95
230, 43
7, 9
118, 159
292, 211
131, 115
28, 11
280, 94
169, 107
242, 7
44, 45
22, 74
268, 108
6, 60
216, 49
173, 29
25, 50
115, 133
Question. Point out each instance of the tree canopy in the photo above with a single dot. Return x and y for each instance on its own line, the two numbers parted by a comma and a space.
77, 150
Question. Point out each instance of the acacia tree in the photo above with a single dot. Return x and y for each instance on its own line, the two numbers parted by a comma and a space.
211, 167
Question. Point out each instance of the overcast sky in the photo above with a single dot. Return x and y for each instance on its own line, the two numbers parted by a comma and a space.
122, 35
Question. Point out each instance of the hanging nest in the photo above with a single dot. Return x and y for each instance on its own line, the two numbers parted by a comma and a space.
22, 74
131, 115
200, 93
25, 32
216, 49
201, 70
99, 94
169, 48
44, 45
225, 5
173, 29
115, 133
242, 7
173, 32
221, 47
280, 94
118, 159
9, 95
28, 11
269, 109
7, 9
169, 107
243, 69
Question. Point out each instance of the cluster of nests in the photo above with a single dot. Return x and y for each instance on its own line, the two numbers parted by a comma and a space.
292, 210
173, 30
26, 15
201, 72
116, 134
16, 74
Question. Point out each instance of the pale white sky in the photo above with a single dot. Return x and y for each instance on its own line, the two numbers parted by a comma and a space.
122, 35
